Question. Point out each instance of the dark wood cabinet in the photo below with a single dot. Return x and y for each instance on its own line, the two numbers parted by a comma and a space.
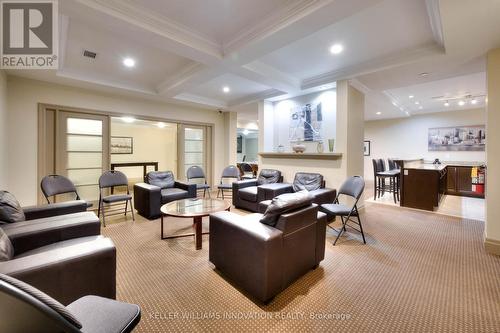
459, 182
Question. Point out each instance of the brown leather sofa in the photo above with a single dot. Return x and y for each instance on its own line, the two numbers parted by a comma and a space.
314, 183
62, 255
247, 194
265, 253
159, 189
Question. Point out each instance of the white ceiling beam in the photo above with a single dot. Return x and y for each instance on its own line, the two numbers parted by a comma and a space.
254, 98
389, 61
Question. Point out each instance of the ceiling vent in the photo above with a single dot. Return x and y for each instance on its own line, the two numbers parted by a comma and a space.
89, 54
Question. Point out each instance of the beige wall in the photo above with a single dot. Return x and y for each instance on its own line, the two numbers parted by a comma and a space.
150, 144
4, 166
492, 232
24, 96
407, 137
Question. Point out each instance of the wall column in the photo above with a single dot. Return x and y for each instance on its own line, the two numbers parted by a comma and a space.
230, 131
492, 228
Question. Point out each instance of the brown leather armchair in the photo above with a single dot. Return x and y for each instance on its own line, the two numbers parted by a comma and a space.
247, 194
263, 254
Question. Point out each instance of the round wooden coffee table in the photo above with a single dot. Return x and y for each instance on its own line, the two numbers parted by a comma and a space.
195, 208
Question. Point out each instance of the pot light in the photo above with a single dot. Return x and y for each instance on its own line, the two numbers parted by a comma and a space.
395, 104
378, 113
411, 96
128, 120
420, 107
473, 101
446, 104
424, 74
246, 132
129, 62
161, 125
461, 103
417, 103
336, 49
226, 89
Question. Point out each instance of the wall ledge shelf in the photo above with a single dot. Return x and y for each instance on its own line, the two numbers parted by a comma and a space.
304, 156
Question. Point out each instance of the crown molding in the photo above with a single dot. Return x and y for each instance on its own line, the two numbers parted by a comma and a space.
389, 61
128, 11
197, 99
255, 97
434, 13
179, 77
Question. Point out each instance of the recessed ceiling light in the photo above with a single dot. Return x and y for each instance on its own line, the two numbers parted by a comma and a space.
473, 101
394, 103
461, 103
129, 62
378, 113
407, 113
446, 104
128, 119
411, 96
417, 103
161, 124
424, 74
246, 132
420, 107
336, 49
226, 89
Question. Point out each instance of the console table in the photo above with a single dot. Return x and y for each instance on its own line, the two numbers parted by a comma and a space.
144, 165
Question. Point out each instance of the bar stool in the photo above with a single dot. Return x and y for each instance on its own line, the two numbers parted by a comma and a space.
380, 176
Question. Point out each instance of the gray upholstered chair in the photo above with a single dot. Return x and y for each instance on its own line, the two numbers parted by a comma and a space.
27, 309
53, 185
353, 187
229, 173
112, 179
265, 253
197, 174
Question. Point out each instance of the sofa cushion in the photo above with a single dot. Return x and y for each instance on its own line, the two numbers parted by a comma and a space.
248, 193
6, 248
307, 181
283, 204
42, 297
268, 176
171, 194
10, 209
162, 179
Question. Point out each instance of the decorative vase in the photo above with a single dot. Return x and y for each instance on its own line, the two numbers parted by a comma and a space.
320, 148
331, 145
299, 148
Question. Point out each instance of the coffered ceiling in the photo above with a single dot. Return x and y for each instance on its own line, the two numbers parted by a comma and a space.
188, 51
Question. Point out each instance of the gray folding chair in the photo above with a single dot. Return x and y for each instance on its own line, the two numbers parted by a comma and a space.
53, 185
112, 179
27, 309
196, 173
229, 172
352, 187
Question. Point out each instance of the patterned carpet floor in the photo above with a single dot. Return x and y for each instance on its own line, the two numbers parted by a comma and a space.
418, 272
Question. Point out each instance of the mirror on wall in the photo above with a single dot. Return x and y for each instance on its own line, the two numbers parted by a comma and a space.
247, 145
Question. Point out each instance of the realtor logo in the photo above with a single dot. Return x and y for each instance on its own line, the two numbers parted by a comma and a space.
29, 34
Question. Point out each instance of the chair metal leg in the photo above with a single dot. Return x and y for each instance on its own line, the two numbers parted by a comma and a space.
103, 215
361, 228
375, 188
204, 192
222, 194
126, 208
132, 210
393, 181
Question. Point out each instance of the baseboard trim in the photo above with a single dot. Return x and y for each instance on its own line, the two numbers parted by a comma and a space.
492, 246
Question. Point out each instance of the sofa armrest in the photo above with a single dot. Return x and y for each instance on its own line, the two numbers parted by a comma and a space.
191, 188
271, 191
257, 253
321, 236
59, 208
29, 235
324, 195
147, 200
83, 266
244, 183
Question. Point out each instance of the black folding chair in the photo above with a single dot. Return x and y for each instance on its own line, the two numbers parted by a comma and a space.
53, 185
352, 187
229, 172
195, 172
112, 179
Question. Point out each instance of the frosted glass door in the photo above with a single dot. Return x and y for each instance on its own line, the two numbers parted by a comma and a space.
82, 153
